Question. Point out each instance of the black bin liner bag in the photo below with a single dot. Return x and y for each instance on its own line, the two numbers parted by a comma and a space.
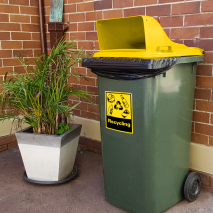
129, 69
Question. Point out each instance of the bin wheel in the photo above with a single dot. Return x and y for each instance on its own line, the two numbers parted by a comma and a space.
192, 186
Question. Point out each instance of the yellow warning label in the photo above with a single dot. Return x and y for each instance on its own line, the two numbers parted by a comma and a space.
118, 111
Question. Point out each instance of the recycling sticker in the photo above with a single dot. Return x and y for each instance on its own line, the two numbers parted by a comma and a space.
118, 111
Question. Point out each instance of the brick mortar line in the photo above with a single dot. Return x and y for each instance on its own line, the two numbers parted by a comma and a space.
203, 100
15, 57
191, 14
29, 48
21, 41
201, 123
204, 123
184, 27
79, 2
211, 113
202, 134
18, 23
70, 32
111, 9
29, 23
190, 26
19, 32
168, 16
21, 14
86, 41
166, 3
76, 7
9, 19
176, 15
19, 5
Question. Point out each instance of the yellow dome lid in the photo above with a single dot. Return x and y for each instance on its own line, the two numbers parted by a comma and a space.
138, 37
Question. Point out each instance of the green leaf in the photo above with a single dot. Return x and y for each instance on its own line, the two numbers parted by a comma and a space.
41, 94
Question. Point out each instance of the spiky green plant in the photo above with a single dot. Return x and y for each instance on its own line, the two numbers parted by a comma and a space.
41, 95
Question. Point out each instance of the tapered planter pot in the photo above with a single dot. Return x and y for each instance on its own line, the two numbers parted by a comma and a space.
48, 157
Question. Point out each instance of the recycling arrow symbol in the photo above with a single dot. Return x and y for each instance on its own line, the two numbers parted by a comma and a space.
118, 105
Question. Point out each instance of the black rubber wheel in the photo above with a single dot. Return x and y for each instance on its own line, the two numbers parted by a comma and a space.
192, 186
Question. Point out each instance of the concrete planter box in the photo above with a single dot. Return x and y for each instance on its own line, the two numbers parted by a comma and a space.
48, 157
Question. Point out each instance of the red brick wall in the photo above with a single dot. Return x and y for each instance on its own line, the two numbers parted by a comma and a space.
19, 34
185, 21
8, 142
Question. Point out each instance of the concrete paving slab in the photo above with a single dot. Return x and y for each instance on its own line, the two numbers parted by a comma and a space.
204, 204
85, 194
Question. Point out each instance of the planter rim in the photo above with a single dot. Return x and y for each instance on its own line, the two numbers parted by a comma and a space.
25, 137
75, 126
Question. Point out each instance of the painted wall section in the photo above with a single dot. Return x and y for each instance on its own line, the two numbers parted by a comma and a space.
6, 128
90, 128
201, 158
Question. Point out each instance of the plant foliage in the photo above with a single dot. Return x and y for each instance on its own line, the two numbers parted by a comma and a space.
41, 95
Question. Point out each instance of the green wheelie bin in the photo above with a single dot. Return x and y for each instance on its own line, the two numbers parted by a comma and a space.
146, 88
